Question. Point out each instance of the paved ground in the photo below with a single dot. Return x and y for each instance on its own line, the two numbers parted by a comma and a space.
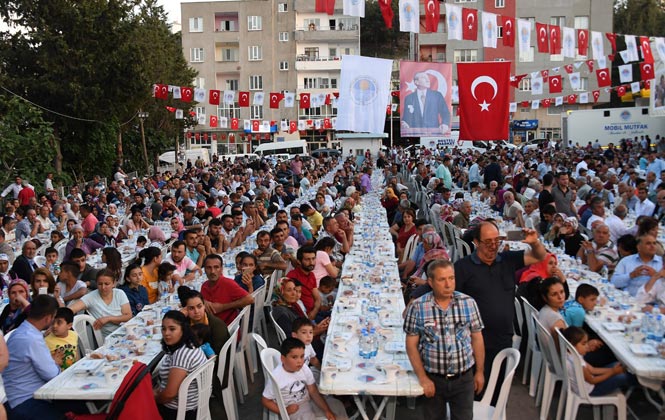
520, 405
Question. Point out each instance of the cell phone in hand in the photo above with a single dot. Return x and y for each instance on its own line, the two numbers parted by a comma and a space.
515, 235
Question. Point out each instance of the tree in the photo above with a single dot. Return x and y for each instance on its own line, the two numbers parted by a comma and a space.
376, 39
26, 142
94, 64
640, 17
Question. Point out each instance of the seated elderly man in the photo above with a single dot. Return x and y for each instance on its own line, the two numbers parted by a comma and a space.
29, 226
461, 220
600, 252
78, 241
512, 210
633, 271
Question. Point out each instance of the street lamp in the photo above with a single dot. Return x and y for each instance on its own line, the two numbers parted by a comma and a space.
142, 116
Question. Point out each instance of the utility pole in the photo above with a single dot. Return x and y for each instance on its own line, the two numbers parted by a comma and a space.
142, 116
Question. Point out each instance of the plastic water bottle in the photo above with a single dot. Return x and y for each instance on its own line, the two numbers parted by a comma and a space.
365, 345
658, 329
645, 326
604, 272
374, 341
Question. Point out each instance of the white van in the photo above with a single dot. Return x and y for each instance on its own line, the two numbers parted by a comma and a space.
184, 155
291, 148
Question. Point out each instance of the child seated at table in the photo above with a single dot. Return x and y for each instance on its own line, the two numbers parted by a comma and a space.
165, 278
298, 388
598, 381
51, 255
141, 242
586, 298
62, 337
328, 292
303, 330
202, 335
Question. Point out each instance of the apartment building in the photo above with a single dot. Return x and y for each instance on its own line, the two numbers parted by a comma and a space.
266, 46
527, 123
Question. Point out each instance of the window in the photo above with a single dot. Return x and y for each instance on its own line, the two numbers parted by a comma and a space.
283, 36
256, 112
282, 7
581, 22
255, 82
311, 112
200, 82
550, 133
200, 110
196, 24
332, 52
499, 4
462, 56
558, 20
584, 84
499, 32
255, 53
333, 83
554, 110
232, 84
283, 65
525, 85
229, 54
228, 111
196, 55
309, 83
312, 52
527, 57
311, 24
440, 57
254, 23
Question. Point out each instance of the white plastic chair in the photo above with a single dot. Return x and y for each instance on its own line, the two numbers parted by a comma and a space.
228, 393
575, 399
83, 327
410, 248
552, 369
61, 247
536, 359
240, 371
270, 359
517, 338
281, 335
203, 377
483, 409
40, 260
257, 310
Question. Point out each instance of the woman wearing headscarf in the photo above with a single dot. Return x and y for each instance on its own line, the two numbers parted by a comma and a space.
285, 308
570, 236
434, 250
78, 241
557, 223
529, 280
390, 202
176, 227
103, 235
156, 235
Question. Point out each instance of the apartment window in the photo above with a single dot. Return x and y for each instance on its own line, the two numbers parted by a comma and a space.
228, 26
499, 4
525, 85
440, 57
311, 112
231, 84
283, 65
200, 110
581, 22
333, 83
196, 55
332, 52
312, 52
311, 24
200, 82
310, 83
324, 83
499, 32
256, 112
228, 111
196, 24
558, 20
283, 36
282, 7
527, 57
255, 82
348, 51
462, 56
254, 23
255, 53
584, 84
229, 54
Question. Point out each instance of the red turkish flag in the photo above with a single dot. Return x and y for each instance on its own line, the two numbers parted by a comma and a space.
525, 104
589, 64
582, 41
387, 12
256, 124
621, 90
604, 78
612, 37
470, 27
187, 94
647, 84
546, 102
214, 136
571, 99
645, 46
568, 68
555, 39
235, 123
327, 101
275, 98
293, 126
432, 14
542, 38
646, 69
508, 31
545, 74
326, 123
484, 92
213, 121
170, 108
160, 91
243, 99
304, 100
555, 84
197, 136
205, 136
213, 97
325, 6
596, 95
515, 80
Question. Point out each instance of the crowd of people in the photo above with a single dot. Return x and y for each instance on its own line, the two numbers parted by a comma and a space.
199, 212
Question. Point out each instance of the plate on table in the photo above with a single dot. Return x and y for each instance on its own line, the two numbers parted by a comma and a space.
371, 379
87, 366
391, 322
643, 349
614, 326
395, 347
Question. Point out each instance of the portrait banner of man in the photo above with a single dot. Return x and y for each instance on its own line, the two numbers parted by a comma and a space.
425, 98
657, 89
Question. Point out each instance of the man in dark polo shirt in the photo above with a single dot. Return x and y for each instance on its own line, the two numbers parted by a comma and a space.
564, 199
488, 276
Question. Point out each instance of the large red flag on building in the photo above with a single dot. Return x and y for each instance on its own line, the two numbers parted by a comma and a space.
243, 99
275, 98
542, 38
555, 83
484, 92
508, 31
304, 100
470, 26
432, 14
555, 39
214, 97
582, 41
325, 6
604, 77
387, 12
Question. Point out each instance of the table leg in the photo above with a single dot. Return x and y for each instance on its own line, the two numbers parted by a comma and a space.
380, 408
361, 408
391, 408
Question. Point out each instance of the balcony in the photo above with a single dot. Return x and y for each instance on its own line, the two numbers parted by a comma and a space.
311, 63
435, 38
313, 34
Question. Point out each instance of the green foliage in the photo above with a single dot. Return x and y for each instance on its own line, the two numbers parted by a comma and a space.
25, 141
376, 39
640, 17
95, 60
